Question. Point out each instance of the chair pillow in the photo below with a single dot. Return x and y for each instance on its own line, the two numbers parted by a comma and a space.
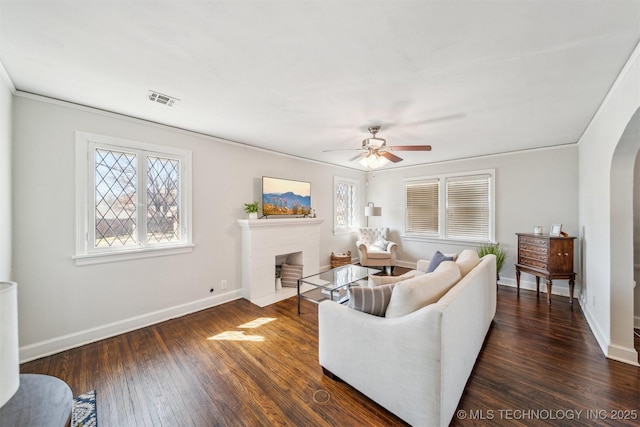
413, 294
381, 244
289, 275
438, 257
370, 300
467, 261
386, 280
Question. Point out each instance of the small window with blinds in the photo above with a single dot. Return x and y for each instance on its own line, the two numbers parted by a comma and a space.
468, 207
422, 207
453, 206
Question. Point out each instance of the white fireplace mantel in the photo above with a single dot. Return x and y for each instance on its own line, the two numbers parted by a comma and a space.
262, 241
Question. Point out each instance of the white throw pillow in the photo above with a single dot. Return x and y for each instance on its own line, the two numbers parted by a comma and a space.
381, 244
467, 261
387, 280
413, 294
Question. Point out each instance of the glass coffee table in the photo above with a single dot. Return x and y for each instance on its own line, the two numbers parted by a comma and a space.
332, 284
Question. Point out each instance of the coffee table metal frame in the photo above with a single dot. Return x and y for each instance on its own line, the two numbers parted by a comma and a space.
334, 281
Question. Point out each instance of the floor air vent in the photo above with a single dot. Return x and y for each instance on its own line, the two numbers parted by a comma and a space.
162, 99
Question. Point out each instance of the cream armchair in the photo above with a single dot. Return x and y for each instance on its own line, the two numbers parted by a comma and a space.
374, 249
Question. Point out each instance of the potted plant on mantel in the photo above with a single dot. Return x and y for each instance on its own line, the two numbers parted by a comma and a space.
252, 209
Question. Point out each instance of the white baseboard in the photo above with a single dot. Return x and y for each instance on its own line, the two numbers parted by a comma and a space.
593, 325
406, 264
76, 339
531, 285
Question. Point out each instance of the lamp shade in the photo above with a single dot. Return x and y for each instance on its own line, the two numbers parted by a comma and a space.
372, 211
9, 360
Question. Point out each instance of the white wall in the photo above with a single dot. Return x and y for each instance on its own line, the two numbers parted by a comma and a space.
537, 187
62, 305
6, 88
606, 162
636, 242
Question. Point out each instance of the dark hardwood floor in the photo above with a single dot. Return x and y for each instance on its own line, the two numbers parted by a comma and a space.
238, 364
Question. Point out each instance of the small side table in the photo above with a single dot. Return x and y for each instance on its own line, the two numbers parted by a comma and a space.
41, 400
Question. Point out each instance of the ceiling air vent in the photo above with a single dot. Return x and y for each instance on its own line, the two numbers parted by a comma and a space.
167, 100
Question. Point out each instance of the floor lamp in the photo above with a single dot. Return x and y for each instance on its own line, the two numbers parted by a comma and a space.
372, 210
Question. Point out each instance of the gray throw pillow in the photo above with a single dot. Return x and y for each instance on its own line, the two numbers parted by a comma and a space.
438, 257
370, 300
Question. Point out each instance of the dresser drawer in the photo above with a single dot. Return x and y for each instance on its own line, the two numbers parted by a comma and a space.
532, 263
535, 255
533, 241
533, 248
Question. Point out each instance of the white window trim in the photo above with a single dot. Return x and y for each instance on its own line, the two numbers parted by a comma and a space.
442, 209
85, 186
336, 180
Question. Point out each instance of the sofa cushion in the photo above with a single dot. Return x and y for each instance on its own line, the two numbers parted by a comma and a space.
289, 275
467, 261
437, 258
374, 252
370, 300
413, 294
386, 280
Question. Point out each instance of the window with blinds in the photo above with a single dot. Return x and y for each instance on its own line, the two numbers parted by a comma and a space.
422, 207
452, 206
468, 207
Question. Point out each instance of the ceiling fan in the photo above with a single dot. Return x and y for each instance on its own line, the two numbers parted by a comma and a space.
375, 152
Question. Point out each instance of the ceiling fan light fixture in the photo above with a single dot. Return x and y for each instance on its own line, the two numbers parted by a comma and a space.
374, 142
374, 161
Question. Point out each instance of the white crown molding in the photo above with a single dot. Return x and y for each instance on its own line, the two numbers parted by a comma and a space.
81, 107
5, 76
633, 58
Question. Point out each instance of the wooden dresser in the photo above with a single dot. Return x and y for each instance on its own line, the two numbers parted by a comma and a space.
547, 257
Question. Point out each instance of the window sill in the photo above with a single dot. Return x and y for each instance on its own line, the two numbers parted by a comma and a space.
344, 231
434, 239
105, 257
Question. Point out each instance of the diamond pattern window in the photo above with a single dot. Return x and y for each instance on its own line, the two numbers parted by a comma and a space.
135, 198
115, 198
346, 216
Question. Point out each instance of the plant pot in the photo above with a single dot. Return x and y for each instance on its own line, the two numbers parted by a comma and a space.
278, 283
253, 215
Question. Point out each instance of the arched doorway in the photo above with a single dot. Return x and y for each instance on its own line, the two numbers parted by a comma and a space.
623, 164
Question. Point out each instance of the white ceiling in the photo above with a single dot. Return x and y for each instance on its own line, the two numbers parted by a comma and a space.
299, 77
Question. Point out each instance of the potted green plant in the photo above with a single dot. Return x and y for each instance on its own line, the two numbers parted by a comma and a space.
252, 209
495, 249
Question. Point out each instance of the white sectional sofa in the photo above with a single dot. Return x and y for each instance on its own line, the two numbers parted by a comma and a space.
416, 365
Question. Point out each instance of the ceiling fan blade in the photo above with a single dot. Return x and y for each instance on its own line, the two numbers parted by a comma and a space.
410, 147
344, 149
359, 156
392, 157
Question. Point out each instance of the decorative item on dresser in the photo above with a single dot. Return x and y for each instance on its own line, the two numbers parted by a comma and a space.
548, 257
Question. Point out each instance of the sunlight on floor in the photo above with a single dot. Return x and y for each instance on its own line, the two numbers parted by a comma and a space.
236, 336
258, 322
239, 335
